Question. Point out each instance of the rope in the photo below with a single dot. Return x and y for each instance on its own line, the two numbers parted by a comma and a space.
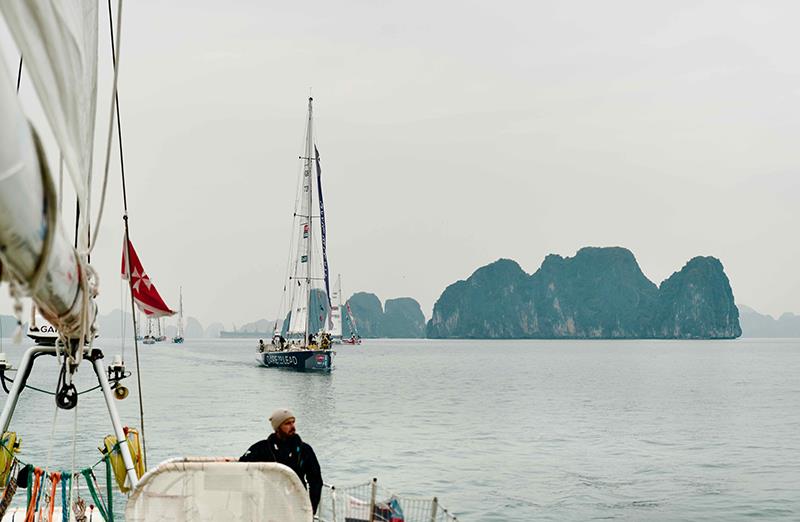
33, 495
9, 491
60, 182
114, 111
91, 483
19, 73
28, 471
52, 438
73, 484
109, 489
55, 477
64, 498
115, 57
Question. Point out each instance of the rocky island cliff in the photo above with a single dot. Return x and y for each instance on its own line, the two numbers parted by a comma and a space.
398, 318
600, 293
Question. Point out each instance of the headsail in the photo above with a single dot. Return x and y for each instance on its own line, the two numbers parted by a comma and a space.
147, 298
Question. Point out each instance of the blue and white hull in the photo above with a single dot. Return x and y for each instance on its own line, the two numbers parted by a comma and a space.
300, 360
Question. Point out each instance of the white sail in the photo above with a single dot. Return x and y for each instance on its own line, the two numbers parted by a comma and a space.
22, 217
336, 309
58, 41
300, 284
180, 313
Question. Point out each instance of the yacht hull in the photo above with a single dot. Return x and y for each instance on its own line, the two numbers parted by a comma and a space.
299, 360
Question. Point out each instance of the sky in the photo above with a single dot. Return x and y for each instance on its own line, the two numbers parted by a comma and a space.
451, 134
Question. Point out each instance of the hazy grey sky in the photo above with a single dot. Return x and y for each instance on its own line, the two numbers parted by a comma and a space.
452, 134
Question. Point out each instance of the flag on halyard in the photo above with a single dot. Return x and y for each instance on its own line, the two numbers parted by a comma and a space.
145, 295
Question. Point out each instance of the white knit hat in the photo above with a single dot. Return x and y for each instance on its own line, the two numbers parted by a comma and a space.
280, 416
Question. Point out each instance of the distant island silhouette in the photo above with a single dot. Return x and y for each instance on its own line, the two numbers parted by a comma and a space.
601, 293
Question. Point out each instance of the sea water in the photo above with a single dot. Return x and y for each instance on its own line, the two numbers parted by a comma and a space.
497, 430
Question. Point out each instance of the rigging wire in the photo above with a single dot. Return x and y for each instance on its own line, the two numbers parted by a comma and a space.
114, 57
114, 113
19, 73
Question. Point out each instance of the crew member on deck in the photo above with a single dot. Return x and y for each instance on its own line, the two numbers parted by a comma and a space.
285, 446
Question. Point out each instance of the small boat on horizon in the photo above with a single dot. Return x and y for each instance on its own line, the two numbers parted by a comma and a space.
178, 339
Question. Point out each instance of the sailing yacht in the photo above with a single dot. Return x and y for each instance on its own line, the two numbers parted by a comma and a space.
178, 339
354, 338
149, 338
302, 342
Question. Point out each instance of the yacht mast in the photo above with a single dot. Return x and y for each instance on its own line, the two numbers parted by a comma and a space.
180, 312
309, 193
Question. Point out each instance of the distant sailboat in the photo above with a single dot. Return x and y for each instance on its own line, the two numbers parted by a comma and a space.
308, 271
354, 338
138, 325
178, 339
149, 338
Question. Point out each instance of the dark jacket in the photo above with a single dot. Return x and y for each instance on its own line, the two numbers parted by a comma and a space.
292, 452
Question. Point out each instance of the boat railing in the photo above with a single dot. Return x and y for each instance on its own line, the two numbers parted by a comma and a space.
370, 502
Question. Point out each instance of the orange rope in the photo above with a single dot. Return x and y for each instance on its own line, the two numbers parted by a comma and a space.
54, 479
30, 516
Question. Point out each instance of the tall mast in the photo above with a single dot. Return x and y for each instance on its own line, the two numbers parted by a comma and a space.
309, 189
180, 311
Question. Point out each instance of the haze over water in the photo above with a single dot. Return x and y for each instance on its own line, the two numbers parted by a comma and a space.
498, 430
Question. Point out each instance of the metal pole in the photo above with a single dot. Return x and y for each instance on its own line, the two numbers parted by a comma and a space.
434, 509
23, 371
372, 499
117, 424
333, 502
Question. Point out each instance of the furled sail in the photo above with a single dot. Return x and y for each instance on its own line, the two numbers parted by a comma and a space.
323, 235
23, 219
145, 295
59, 42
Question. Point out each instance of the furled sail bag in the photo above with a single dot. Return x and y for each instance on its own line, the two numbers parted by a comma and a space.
10, 447
117, 464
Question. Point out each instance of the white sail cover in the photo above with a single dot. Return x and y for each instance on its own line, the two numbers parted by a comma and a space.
22, 215
200, 490
58, 40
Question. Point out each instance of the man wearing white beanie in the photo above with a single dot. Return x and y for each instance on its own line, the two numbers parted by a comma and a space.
285, 446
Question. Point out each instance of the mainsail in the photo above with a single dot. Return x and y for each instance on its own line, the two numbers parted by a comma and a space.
147, 298
301, 280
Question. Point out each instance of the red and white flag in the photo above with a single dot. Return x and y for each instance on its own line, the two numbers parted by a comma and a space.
144, 291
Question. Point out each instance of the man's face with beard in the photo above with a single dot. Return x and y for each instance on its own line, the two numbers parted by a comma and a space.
287, 429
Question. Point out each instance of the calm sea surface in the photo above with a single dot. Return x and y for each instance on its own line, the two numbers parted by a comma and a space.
498, 430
